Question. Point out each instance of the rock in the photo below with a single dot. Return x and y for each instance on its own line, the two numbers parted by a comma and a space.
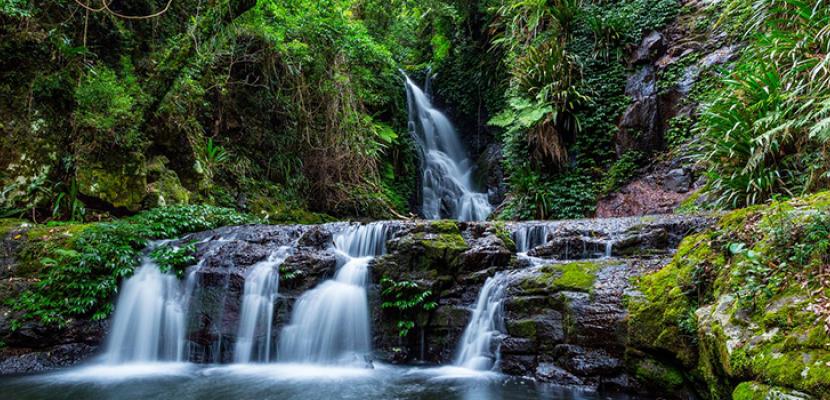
549, 372
317, 238
586, 362
60, 356
650, 48
759, 391
677, 180
120, 184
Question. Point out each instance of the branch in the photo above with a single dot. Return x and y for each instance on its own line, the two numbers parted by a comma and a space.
105, 6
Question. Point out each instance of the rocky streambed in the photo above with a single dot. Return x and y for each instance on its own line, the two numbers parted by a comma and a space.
564, 312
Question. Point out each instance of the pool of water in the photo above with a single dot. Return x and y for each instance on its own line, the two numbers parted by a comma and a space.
278, 381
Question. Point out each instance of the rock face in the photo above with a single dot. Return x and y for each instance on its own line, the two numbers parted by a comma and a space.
666, 67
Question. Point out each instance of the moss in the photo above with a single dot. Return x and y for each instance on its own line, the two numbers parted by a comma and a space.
737, 220
123, 185
575, 276
657, 318
500, 230
525, 328
165, 187
444, 226
690, 206
7, 225
817, 200
806, 370
659, 375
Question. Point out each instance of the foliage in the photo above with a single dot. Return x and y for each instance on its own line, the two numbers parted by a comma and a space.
766, 131
175, 259
621, 172
566, 91
80, 278
407, 299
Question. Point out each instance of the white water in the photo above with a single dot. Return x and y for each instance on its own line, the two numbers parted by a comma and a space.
149, 322
330, 324
448, 190
363, 240
479, 346
253, 339
529, 236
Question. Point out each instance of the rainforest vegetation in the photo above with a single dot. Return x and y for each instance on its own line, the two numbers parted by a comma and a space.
294, 111
124, 122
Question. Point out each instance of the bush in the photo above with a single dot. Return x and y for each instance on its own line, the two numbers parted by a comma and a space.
79, 278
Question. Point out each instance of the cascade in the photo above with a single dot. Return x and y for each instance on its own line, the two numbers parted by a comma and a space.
149, 323
479, 345
253, 340
330, 323
448, 190
527, 237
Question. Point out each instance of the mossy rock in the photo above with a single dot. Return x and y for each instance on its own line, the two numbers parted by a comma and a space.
658, 375
164, 188
759, 391
662, 319
122, 186
525, 328
576, 276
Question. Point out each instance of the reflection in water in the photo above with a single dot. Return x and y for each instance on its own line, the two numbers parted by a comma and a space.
278, 381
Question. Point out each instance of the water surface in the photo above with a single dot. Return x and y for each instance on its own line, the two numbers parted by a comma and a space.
179, 381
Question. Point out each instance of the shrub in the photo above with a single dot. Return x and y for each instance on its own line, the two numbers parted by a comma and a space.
80, 278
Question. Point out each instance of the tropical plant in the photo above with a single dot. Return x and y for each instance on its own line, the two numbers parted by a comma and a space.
767, 131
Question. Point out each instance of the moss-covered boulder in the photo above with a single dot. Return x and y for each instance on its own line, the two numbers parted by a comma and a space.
121, 183
662, 314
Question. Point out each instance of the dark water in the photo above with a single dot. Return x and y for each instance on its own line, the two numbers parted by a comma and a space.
277, 382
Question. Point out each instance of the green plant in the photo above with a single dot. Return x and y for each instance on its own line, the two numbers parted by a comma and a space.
79, 277
175, 259
621, 171
766, 130
407, 299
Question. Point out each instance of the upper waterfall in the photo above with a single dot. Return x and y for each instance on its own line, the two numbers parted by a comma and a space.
448, 190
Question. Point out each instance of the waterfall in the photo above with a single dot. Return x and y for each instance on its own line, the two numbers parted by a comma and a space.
149, 323
257, 313
363, 240
527, 237
330, 324
448, 190
477, 349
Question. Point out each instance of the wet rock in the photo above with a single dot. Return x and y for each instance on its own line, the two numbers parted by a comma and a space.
586, 362
60, 356
549, 372
518, 365
651, 47
677, 180
317, 238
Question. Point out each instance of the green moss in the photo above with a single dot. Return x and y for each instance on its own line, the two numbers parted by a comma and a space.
502, 233
165, 187
123, 185
525, 328
659, 375
444, 226
737, 220
658, 318
575, 276
9, 224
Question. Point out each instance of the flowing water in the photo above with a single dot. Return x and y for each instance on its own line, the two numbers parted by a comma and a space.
330, 324
479, 346
277, 382
529, 236
149, 323
447, 181
253, 340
